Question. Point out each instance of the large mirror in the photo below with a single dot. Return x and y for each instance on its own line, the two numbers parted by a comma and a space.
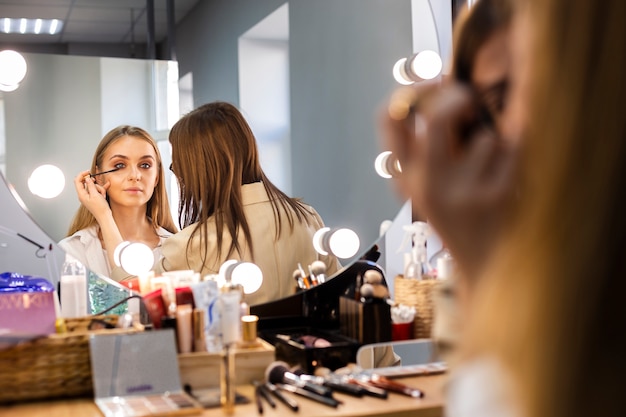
340, 56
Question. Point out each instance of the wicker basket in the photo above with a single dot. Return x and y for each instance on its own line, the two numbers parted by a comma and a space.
56, 366
419, 294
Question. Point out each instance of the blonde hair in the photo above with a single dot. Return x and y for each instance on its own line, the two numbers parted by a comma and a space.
551, 306
158, 208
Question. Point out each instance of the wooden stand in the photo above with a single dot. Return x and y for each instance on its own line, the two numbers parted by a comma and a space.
201, 370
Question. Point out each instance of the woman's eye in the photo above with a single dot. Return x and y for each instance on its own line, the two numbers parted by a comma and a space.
146, 165
119, 165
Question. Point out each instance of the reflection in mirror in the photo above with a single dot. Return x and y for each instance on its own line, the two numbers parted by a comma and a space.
27, 250
400, 354
340, 60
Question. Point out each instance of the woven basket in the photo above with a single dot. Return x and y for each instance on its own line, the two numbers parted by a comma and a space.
419, 294
56, 366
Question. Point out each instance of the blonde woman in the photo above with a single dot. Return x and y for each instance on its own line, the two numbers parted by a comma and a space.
134, 192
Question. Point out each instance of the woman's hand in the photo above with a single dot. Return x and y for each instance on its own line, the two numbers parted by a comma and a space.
92, 195
457, 171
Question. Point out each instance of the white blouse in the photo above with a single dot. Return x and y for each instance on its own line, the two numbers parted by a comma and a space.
85, 246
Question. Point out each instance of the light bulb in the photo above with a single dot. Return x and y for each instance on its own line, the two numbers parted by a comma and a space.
223, 275
344, 243
136, 258
46, 181
12, 68
426, 65
248, 275
318, 238
399, 72
387, 165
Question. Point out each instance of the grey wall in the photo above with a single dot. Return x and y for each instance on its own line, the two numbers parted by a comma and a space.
341, 55
50, 104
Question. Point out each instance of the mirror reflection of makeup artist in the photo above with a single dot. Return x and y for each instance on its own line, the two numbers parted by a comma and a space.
132, 189
482, 60
228, 208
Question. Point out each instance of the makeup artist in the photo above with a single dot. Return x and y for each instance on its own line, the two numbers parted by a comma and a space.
126, 179
546, 307
482, 60
228, 208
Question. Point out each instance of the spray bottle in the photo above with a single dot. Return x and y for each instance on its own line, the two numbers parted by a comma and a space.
415, 262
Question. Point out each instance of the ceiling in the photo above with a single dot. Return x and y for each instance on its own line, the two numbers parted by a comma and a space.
92, 21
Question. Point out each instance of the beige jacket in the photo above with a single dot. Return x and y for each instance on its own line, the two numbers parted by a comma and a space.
277, 258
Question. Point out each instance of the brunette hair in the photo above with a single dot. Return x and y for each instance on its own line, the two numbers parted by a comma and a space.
552, 307
158, 208
472, 27
214, 153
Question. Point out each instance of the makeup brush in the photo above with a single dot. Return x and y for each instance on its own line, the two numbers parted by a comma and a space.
104, 172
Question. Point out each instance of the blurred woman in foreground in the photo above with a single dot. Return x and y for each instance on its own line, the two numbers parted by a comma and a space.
546, 305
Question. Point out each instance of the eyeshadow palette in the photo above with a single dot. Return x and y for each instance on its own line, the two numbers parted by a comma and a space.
137, 375
149, 405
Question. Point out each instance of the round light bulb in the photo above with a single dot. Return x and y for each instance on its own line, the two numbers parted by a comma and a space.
135, 258
248, 275
387, 165
344, 243
380, 162
427, 65
399, 73
8, 88
46, 181
12, 68
317, 240
222, 275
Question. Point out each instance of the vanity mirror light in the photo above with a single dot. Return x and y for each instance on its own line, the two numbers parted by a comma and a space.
341, 55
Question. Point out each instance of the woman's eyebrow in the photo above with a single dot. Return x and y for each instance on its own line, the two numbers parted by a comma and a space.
125, 157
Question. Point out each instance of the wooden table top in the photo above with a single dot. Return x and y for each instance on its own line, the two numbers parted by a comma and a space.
396, 405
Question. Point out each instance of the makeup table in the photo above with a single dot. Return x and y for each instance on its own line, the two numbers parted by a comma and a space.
395, 405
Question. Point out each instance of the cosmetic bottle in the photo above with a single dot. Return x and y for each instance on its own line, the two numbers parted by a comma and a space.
73, 288
230, 312
184, 328
416, 265
199, 335
443, 263
206, 295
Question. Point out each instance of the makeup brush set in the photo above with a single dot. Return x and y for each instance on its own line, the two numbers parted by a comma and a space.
282, 385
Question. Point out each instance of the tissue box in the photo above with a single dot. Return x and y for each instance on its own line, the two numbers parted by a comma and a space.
201, 370
27, 313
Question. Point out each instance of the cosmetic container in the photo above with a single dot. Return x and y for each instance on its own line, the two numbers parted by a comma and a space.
199, 337
73, 288
183, 326
206, 296
249, 330
229, 302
